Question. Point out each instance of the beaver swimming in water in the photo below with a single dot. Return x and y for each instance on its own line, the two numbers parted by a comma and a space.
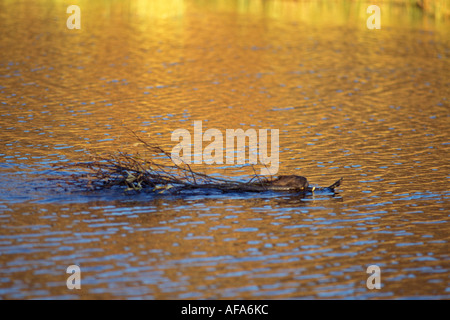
291, 181
297, 183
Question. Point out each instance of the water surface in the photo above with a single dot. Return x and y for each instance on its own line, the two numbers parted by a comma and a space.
371, 106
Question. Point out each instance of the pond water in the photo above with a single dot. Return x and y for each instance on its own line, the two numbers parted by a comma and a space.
371, 106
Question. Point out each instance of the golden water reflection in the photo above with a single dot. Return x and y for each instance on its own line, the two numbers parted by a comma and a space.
368, 105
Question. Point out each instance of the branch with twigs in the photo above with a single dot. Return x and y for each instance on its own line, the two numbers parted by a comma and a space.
135, 173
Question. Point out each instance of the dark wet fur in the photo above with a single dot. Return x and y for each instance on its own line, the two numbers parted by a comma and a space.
291, 181
299, 183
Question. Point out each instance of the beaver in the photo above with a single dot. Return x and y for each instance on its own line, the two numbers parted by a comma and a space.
290, 181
